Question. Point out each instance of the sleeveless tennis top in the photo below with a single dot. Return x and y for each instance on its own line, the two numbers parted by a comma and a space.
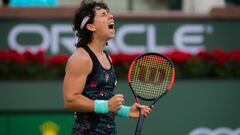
99, 86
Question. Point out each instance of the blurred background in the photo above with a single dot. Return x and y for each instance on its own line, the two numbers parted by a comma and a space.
202, 37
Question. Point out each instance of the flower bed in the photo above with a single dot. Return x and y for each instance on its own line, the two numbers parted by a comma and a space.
206, 64
30, 65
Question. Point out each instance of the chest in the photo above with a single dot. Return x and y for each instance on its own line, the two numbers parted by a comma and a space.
105, 79
103, 60
101, 86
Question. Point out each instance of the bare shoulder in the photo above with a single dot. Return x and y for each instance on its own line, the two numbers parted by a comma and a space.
79, 62
79, 56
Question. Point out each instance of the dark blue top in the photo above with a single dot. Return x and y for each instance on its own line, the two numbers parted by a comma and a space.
99, 86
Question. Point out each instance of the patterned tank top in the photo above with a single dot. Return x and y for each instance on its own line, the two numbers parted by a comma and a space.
99, 86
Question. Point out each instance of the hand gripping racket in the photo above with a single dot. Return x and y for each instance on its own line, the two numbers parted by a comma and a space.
150, 76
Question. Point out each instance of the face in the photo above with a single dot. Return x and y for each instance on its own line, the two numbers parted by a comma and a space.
104, 24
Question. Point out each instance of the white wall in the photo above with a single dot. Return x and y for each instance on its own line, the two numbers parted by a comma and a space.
122, 5
201, 6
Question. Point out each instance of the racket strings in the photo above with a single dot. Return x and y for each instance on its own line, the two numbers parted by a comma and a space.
151, 76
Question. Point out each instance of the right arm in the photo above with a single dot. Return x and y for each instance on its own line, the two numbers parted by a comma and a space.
77, 70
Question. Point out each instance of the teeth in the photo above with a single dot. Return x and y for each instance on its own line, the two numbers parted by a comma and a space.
111, 25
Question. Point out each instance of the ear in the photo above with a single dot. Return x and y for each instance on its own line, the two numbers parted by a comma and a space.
90, 27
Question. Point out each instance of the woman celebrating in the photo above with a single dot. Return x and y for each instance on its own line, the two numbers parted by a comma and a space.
90, 78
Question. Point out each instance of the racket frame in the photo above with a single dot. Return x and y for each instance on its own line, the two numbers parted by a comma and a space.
169, 87
141, 115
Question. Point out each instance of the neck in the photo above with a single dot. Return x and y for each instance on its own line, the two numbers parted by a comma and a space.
97, 46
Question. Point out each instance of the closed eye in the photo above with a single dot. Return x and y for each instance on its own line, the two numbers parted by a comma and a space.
104, 14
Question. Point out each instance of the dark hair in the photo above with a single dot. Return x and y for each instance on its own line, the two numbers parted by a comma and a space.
87, 9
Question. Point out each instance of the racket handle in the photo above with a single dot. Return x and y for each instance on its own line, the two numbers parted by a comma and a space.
139, 125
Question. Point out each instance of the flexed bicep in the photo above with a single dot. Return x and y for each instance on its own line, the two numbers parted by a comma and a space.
77, 70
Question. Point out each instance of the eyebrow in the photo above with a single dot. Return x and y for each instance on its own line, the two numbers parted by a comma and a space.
103, 12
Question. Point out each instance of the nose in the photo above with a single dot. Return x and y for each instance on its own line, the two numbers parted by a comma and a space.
110, 16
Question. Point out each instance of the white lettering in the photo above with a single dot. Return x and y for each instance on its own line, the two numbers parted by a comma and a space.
188, 37
151, 41
28, 28
190, 34
217, 131
127, 29
67, 42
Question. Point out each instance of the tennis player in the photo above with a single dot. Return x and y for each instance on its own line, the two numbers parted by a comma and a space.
90, 78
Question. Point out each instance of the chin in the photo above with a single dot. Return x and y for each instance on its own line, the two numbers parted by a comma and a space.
111, 36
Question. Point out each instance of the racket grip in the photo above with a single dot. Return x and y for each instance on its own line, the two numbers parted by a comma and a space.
139, 125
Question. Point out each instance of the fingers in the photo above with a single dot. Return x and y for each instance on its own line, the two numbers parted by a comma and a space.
119, 99
146, 110
119, 95
138, 105
115, 102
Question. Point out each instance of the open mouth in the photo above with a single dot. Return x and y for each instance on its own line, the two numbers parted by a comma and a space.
111, 26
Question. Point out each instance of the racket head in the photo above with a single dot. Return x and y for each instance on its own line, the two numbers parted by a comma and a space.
150, 76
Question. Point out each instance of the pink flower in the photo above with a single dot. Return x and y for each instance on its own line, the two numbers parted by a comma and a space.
93, 84
220, 56
106, 77
58, 59
179, 56
235, 55
13, 55
205, 55
34, 57
123, 58
39, 57
4, 56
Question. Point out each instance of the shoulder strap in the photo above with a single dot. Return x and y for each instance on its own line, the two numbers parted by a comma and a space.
94, 61
108, 57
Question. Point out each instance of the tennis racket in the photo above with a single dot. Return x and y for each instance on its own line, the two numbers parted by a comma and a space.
150, 76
